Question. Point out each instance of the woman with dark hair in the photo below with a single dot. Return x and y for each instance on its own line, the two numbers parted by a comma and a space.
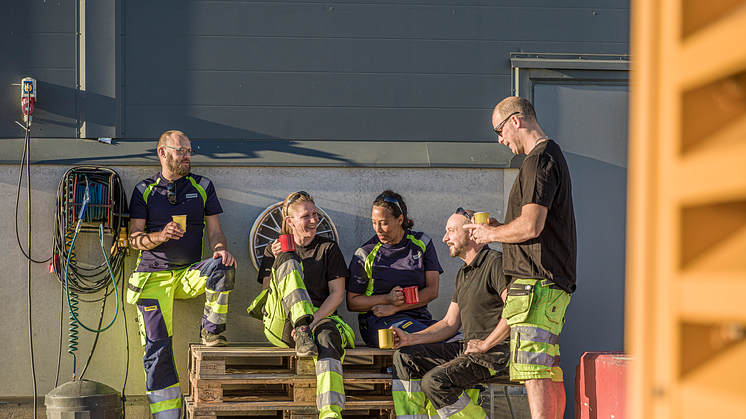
301, 291
395, 258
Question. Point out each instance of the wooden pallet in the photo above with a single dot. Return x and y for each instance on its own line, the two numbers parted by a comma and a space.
252, 380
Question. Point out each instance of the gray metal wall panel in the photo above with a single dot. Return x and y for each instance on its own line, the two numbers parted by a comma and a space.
263, 122
37, 39
282, 70
353, 70
37, 50
97, 102
402, 20
37, 17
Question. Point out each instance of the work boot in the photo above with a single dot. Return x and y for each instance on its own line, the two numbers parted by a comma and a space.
212, 339
304, 344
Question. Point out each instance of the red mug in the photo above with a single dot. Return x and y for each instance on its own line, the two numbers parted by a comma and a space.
287, 244
411, 295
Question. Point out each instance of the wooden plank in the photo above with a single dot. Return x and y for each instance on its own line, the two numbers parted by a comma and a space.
208, 393
246, 349
210, 367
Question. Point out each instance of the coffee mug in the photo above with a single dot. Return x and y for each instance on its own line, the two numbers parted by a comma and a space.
287, 244
180, 220
482, 217
385, 338
411, 295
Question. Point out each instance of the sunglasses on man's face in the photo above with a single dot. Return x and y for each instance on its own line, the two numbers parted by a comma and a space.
171, 193
499, 129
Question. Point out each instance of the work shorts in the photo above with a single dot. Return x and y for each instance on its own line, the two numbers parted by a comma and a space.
535, 312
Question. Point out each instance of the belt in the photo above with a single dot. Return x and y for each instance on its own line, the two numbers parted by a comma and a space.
549, 284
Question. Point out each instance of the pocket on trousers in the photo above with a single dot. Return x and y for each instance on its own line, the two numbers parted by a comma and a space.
520, 297
256, 309
134, 286
556, 310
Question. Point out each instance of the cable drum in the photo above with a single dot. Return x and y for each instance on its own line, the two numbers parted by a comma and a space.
106, 208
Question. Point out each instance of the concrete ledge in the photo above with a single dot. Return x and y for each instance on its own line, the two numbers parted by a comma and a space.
71, 151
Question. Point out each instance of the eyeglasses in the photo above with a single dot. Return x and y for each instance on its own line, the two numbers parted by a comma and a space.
171, 193
296, 196
182, 151
499, 128
391, 200
461, 211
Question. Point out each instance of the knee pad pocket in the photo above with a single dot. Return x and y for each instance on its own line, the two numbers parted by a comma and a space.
152, 316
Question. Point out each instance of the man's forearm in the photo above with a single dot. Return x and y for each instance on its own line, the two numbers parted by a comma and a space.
218, 242
145, 241
500, 333
438, 332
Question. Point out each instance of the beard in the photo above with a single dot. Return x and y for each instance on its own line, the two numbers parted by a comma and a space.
457, 248
177, 168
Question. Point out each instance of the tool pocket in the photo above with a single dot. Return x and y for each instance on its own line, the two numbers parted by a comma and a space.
256, 309
520, 296
556, 308
134, 286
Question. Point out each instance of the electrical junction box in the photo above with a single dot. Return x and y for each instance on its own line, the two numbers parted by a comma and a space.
28, 87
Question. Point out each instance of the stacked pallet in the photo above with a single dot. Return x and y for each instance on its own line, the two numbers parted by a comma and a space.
260, 381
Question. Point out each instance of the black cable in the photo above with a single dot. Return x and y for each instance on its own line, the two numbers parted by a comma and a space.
95, 341
25, 161
89, 280
27, 158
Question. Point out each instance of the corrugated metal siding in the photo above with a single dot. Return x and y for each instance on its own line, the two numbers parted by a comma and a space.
343, 71
304, 70
38, 40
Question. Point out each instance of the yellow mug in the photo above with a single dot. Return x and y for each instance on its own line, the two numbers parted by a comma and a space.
482, 217
180, 220
385, 338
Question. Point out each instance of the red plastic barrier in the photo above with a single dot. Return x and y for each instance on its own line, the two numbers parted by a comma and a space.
600, 385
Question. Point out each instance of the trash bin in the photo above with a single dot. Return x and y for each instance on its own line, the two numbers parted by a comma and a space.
83, 399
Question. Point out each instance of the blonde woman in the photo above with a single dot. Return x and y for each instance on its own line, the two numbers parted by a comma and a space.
303, 289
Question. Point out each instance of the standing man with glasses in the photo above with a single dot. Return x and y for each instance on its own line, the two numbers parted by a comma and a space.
168, 214
539, 255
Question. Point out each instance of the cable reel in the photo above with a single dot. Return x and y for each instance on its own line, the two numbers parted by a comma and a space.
89, 199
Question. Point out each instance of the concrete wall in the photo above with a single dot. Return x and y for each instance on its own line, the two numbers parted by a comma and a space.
345, 194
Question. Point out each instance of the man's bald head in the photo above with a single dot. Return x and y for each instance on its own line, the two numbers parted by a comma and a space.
514, 104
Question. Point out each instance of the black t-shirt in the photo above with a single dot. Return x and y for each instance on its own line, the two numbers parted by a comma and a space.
477, 293
322, 262
544, 179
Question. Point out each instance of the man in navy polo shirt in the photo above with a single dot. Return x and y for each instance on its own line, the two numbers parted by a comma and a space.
168, 214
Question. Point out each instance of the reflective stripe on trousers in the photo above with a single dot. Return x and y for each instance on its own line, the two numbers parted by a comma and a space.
289, 283
409, 400
165, 403
216, 306
330, 393
465, 407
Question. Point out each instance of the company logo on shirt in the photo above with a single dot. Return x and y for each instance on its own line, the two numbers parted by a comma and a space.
191, 195
417, 256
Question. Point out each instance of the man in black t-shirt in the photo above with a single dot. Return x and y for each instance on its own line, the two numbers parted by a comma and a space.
435, 377
540, 250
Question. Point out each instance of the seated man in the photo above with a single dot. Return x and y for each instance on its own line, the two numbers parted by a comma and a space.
438, 378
